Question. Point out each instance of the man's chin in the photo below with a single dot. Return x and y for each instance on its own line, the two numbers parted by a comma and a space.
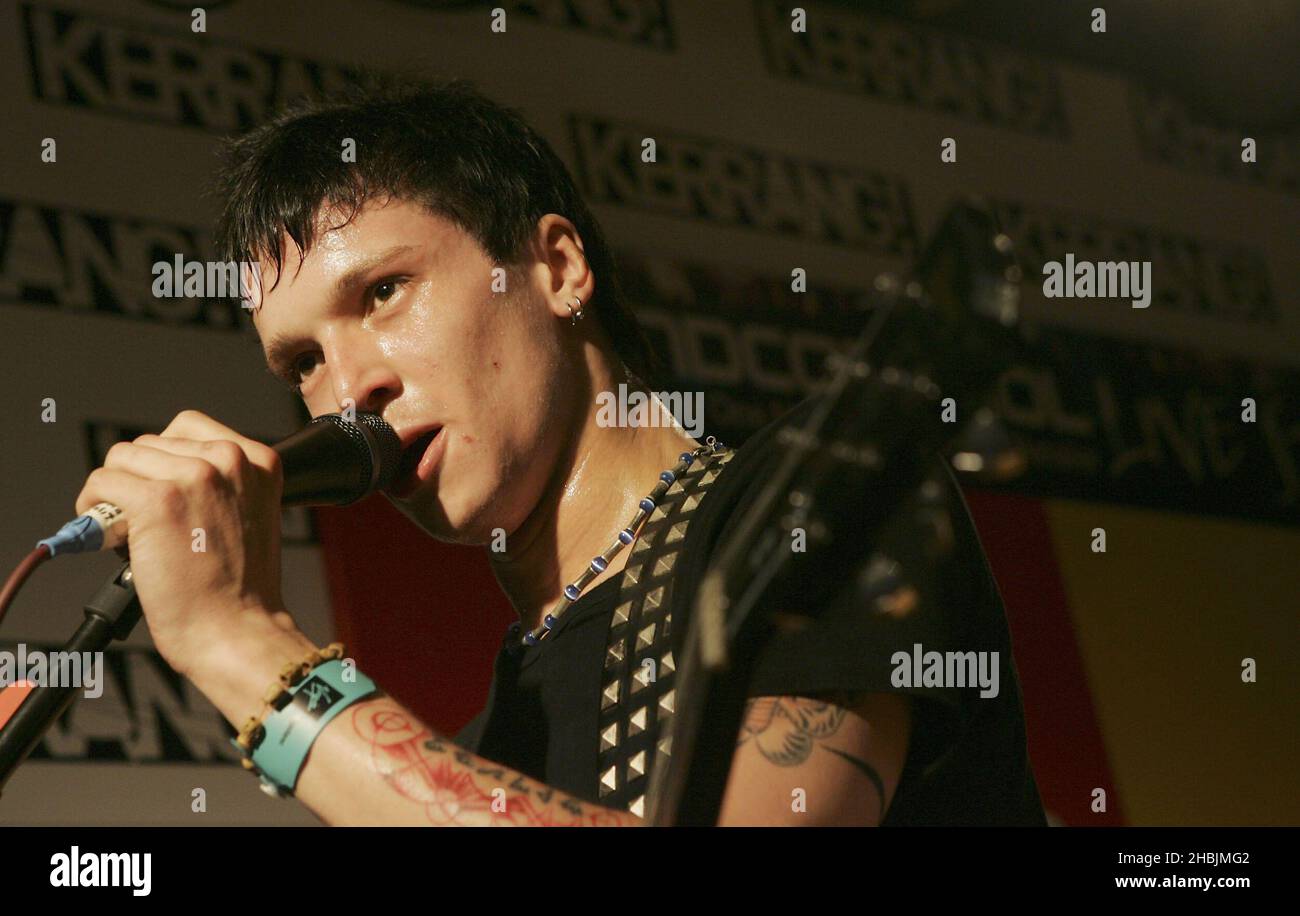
428, 514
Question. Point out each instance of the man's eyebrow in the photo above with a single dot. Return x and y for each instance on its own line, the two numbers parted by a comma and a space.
356, 273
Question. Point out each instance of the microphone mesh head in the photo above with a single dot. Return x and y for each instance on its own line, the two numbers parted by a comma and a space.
388, 446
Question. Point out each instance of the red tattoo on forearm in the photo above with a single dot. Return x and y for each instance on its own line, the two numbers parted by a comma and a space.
458, 788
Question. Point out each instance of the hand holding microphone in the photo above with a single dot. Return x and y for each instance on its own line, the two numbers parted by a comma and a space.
201, 506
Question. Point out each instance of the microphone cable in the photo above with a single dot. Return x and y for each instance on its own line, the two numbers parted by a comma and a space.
20, 575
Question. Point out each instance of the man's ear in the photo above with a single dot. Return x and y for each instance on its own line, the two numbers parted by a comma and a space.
570, 281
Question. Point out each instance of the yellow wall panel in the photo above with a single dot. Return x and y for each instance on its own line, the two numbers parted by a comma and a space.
1164, 618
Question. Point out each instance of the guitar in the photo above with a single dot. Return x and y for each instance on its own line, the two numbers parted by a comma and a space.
944, 333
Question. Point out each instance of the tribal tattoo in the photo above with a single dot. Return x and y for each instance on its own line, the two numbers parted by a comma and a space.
458, 788
786, 730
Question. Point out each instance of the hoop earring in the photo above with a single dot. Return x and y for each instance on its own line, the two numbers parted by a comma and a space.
575, 316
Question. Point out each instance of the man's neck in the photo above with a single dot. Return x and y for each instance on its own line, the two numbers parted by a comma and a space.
590, 498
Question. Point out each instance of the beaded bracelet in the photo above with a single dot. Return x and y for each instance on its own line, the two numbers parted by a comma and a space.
277, 695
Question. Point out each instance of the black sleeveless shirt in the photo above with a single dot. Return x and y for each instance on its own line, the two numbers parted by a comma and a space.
585, 710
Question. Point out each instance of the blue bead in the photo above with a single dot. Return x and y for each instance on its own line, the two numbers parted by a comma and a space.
626, 536
718, 446
550, 621
513, 628
647, 504
687, 457
598, 564
530, 639
667, 476
571, 592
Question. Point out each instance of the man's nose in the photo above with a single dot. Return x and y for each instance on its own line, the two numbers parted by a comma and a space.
364, 380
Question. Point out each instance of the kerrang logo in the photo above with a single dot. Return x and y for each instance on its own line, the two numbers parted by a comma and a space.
80, 260
169, 76
732, 185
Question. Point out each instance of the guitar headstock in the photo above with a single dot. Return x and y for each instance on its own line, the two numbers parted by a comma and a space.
914, 383
953, 324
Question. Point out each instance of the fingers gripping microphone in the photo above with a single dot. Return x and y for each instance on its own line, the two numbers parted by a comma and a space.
329, 462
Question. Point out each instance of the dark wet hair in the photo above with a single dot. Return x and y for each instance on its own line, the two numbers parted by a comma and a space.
439, 143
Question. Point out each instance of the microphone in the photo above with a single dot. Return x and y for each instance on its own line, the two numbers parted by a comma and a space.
329, 462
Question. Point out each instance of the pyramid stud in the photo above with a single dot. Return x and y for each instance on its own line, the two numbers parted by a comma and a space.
636, 724
608, 781
609, 697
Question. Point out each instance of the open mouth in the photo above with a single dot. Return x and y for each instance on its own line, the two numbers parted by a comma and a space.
414, 452
407, 478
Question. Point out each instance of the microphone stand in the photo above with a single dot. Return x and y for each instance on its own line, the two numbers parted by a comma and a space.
111, 614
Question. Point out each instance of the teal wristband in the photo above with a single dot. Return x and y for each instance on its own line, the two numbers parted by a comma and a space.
291, 730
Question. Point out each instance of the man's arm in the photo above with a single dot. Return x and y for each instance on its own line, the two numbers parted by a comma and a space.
381, 765
377, 764
817, 761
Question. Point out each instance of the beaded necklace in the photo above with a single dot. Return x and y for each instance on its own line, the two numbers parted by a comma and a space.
599, 563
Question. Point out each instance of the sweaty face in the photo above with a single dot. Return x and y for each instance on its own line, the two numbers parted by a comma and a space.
396, 311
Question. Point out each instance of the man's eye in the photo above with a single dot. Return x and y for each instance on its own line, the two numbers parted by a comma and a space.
302, 365
385, 289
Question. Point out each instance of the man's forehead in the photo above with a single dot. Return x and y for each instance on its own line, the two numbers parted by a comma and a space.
344, 243
341, 239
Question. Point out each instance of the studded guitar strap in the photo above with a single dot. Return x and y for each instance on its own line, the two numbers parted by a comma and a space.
636, 697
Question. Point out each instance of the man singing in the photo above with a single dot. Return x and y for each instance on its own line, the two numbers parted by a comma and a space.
452, 280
